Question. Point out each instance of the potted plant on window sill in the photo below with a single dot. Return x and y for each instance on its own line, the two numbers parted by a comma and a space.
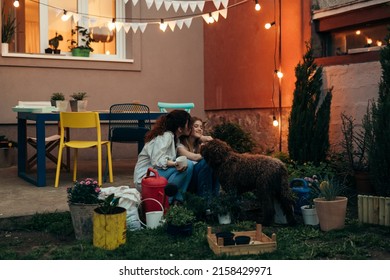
84, 48
54, 43
8, 28
78, 102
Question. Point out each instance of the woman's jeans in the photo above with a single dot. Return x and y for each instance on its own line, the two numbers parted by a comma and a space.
204, 181
180, 179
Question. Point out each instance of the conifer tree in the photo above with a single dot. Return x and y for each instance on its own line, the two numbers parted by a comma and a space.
379, 151
308, 138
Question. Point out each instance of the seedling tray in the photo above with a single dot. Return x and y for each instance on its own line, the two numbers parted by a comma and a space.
259, 243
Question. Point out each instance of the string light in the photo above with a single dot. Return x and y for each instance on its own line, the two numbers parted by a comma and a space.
163, 25
268, 25
65, 16
16, 4
279, 74
111, 25
275, 121
210, 19
257, 6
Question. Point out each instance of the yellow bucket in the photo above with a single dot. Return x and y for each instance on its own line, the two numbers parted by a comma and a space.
109, 230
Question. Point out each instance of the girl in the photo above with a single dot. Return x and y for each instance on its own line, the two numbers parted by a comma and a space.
159, 152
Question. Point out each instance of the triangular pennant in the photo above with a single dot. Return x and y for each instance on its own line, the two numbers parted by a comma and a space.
118, 25
188, 22
225, 3
76, 18
180, 23
217, 3
93, 21
126, 1
206, 18
126, 26
215, 15
223, 13
134, 26
167, 5
59, 12
149, 3
184, 6
176, 5
200, 5
158, 4
172, 25
135, 2
193, 5
142, 26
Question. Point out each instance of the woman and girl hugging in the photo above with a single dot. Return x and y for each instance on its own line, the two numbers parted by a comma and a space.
178, 134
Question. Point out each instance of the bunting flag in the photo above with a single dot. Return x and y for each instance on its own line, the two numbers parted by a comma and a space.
96, 21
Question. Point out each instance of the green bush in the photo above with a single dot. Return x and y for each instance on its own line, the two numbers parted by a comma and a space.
232, 133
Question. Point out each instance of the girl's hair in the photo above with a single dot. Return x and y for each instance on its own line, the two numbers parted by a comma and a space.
170, 122
185, 139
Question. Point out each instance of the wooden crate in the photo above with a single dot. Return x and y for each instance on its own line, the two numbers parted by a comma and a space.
374, 210
259, 243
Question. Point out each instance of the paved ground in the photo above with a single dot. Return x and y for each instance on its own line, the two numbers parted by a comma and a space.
20, 198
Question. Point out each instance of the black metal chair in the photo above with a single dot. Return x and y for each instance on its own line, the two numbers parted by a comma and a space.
128, 131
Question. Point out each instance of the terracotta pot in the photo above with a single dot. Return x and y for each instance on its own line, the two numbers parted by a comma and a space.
331, 214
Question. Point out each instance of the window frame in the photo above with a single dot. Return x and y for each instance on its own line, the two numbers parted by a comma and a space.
350, 16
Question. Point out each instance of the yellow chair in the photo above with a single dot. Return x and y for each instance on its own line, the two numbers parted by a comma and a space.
85, 120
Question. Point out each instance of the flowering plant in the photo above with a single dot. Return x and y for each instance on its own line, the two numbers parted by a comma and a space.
313, 184
328, 189
86, 191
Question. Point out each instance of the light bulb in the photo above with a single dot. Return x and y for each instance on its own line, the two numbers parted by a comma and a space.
379, 43
279, 74
65, 16
257, 6
111, 25
357, 32
16, 4
163, 26
268, 25
210, 19
369, 41
275, 121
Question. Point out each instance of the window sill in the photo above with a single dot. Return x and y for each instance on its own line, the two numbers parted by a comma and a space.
348, 59
66, 60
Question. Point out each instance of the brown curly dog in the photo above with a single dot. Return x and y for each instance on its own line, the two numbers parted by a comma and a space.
265, 176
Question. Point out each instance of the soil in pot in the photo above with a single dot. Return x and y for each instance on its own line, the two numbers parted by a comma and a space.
227, 236
243, 239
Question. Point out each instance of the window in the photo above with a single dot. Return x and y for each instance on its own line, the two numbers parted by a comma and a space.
40, 21
355, 40
351, 33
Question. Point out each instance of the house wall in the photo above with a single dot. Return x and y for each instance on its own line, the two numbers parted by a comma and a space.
353, 83
169, 68
240, 59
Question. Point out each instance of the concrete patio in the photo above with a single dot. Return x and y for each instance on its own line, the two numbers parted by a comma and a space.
20, 198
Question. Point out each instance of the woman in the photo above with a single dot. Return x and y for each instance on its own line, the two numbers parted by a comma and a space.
203, 182
159, 152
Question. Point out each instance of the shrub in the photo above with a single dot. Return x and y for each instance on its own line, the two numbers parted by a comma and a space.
232, 133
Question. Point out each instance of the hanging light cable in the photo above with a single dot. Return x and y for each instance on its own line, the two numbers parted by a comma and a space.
16, 4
